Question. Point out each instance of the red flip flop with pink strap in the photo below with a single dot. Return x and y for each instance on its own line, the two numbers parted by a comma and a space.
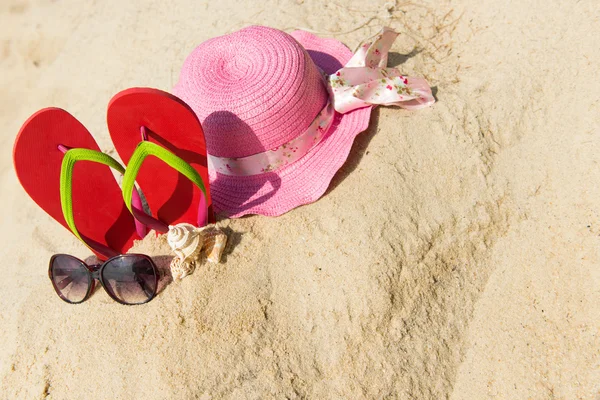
144, 114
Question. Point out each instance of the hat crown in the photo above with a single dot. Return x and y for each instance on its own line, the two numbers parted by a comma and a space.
252, 90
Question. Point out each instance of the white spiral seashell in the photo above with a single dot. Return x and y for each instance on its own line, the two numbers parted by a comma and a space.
186, 241
180, 269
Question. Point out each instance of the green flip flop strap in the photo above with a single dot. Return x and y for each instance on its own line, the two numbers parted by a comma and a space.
66, 190
143, 150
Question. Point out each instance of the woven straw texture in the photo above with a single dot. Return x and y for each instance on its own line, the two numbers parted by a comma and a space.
256, 89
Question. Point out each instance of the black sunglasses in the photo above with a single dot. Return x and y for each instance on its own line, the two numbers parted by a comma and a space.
128, 278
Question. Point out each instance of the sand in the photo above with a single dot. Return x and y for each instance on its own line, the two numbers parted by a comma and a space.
455, 255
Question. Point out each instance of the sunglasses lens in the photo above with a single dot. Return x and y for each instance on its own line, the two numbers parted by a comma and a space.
130, 278
70, 278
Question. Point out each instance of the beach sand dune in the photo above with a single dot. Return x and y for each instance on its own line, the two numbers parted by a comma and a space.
455, 255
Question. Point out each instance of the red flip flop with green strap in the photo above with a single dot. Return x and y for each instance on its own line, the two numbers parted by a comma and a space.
56, 158
143, 151
143, 114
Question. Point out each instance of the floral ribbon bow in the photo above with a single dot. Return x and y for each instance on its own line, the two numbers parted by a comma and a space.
365, 80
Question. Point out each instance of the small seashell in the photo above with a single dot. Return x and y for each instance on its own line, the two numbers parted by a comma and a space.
181, 269
214, 244
186, 241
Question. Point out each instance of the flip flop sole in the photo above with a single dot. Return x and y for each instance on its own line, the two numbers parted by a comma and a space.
172, 124
98, 208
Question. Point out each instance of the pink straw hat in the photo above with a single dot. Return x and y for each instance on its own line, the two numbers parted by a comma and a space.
273, 136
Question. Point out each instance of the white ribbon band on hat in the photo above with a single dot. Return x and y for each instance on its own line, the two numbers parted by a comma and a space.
364, 81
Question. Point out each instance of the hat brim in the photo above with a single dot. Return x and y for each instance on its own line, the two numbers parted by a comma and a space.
307, 179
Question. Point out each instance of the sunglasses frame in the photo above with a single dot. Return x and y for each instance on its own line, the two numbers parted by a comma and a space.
94, 272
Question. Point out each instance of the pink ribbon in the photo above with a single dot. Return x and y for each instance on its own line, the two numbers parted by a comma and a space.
285, 154
364, 81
